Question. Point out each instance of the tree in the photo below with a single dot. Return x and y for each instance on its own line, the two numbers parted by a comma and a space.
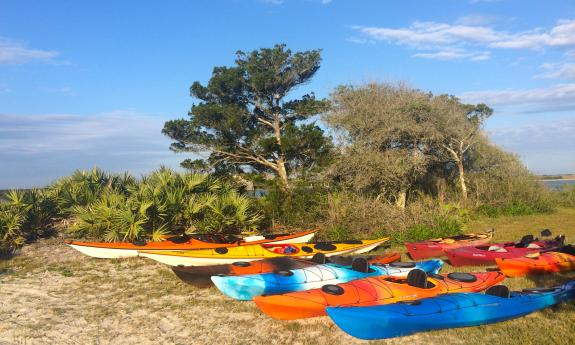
244, 120
397, 137
387, 138
458, 128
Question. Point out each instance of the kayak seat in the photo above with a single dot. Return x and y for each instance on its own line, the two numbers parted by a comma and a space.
497, 249
353, 242
333, 289
241, 264
319, 258
462, 277
499, 291
417, 278
546, 233
525, 240
361, 265
179, 239
401, 264
326, 247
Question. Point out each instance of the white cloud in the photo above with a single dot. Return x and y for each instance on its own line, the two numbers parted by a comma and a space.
359, 40
437, 38
54, 132
558, 71
36, 149
557, 97
425, 35
12, 52
476, 19
455, 54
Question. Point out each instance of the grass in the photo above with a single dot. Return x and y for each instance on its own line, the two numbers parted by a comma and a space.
53, 294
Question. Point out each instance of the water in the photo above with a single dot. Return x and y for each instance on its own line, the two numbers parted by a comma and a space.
557, 184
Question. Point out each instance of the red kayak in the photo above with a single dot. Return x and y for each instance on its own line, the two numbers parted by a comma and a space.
486, 255
436, 247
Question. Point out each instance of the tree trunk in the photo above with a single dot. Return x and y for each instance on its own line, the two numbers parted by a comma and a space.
281, 170
462, 184
282, 173
401, 198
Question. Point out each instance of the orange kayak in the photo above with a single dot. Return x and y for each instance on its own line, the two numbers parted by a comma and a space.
201, 275
539, 263
112, 250
373, 291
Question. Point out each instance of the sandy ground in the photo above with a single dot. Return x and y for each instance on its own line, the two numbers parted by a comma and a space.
51, 294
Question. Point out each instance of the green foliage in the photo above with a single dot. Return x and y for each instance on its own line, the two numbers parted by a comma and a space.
441, 226
165, 202
85, 187
302, 205
565, 196
349, 215
245, 120
97, 205
24, 216
11, 232
512, 209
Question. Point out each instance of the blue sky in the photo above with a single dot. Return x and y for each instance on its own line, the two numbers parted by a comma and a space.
86, 84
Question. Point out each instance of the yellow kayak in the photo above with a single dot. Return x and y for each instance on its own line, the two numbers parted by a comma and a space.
229, 255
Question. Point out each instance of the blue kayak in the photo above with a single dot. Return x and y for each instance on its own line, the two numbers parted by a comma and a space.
246, 287
446, 311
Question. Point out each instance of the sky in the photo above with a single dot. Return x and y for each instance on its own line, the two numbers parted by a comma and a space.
91, 83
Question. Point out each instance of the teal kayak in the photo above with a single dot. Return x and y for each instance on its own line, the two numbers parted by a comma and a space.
246, 287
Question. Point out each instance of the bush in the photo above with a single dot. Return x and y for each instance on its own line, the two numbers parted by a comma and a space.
24, 216
303, 205
513, 209
501, 185
163, 202
113, 207
352, 216
565, 196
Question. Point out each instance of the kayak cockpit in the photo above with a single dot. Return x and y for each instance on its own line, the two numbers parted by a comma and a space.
284, 248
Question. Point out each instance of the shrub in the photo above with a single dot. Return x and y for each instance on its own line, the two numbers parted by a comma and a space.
24, 216
353, 216
565, 196
162, 202
303, 205
11, 234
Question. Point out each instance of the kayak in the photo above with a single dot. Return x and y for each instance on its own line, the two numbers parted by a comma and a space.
446, 311
373, 291
228, 255
114, 250
486, 255
245, 288
562, 260
435, 248
201, 275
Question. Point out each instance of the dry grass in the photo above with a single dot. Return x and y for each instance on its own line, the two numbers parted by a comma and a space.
52, 294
